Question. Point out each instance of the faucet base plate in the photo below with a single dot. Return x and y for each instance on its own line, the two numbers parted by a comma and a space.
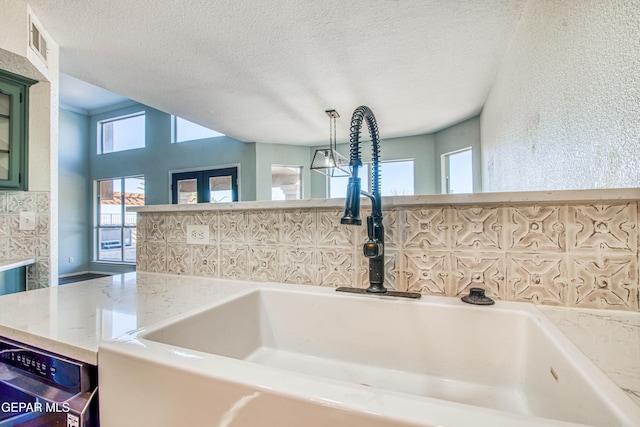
412, 295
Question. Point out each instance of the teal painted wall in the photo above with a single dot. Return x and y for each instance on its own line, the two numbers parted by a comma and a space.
160, 156
74, 194
419, 148
81, 166
425, 150
268, 155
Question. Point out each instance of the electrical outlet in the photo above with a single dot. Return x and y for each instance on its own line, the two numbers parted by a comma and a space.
27, 221
70, 259
197, 234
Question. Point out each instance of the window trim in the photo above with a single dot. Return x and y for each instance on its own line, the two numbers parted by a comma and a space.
123, 226
202, 176
300, 176
100, 137
444, 168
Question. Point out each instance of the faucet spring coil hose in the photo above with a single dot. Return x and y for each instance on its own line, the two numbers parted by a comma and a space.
375, 157
356, 124
364, 113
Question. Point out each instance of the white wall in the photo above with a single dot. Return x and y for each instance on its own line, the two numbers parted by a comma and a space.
17, 57
564, 109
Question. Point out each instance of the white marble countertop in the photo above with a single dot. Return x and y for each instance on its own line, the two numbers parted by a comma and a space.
610, 338
9, 264
73, 319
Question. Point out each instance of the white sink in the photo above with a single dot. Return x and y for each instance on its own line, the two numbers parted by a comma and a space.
317, 357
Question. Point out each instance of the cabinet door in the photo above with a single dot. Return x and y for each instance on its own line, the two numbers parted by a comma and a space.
13, 131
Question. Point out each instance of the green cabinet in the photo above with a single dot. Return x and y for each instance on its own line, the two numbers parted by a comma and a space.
14, 124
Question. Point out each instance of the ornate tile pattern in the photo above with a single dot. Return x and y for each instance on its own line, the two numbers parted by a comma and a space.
264, 264
538, 228
233, 227
152, 257
485, 270
604, 282
264, 227
330, 232
535, 278
176, 228
426, 229
16, 243
179, 260
299, 265
477, 228
611, 228
155, 228
427, 273
577, 254
205, 261
298, 228
336, 267
233, 261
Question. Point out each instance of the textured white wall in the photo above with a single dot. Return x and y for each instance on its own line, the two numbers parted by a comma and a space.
564, 109
17, 57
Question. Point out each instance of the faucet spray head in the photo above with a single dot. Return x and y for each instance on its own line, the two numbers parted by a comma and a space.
352, 206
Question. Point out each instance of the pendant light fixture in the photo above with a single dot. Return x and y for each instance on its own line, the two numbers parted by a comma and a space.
328, 161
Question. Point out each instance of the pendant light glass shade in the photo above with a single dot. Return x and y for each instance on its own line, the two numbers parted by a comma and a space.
328, 161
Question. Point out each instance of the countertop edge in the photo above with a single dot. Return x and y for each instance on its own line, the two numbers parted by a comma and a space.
10, 264
559, 196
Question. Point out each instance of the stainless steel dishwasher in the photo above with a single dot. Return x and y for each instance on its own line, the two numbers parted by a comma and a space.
39, 388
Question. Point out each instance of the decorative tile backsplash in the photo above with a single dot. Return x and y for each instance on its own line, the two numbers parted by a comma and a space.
19, 244
565, 254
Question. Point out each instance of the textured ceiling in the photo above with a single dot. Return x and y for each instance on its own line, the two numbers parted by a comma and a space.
266, 70
87, 98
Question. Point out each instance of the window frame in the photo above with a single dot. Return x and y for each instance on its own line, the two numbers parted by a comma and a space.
100, 131
17, 88
445, 173
300, 179
123, 226
202, 182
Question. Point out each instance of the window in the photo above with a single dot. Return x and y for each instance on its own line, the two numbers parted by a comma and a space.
286, 182
208, 186
14, 120
338, 185
397, 180
116, 231
183, 130
122, 133
457, 172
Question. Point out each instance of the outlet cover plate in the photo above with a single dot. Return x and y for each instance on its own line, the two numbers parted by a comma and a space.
197, 234
27, 221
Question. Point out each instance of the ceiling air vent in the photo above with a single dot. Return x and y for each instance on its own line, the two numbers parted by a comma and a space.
38, 42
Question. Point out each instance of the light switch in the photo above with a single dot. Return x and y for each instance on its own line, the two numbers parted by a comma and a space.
27, 221
197, 234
